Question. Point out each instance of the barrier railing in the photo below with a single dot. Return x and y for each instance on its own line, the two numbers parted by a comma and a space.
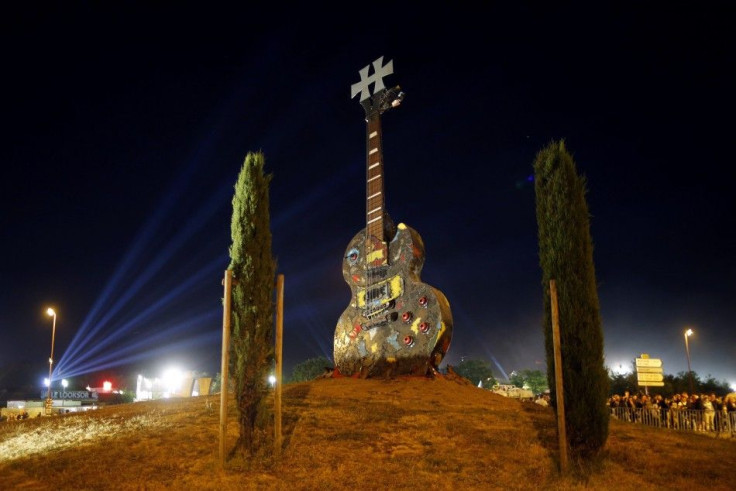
718, 422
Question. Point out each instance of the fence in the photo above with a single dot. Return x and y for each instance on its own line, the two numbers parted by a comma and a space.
714, 422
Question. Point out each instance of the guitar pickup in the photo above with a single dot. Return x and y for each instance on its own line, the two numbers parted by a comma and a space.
380, 294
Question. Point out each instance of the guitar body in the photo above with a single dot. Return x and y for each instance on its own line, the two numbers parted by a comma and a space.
395, 324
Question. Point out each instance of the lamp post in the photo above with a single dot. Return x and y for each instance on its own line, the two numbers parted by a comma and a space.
49, 402
689, 333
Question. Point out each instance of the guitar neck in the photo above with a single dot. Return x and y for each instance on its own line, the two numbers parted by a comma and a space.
374, 178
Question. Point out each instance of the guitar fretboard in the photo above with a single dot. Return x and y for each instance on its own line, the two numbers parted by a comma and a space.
374, 179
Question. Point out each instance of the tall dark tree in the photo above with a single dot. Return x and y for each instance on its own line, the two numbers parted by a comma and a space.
534, 380
566, 255
476, 371
253, 269
311, 369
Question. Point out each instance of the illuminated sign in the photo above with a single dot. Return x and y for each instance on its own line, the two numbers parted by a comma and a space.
75, 395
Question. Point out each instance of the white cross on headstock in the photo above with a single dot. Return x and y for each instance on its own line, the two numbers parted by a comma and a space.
379, 72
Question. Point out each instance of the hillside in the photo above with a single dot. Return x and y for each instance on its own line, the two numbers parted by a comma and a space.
348, 433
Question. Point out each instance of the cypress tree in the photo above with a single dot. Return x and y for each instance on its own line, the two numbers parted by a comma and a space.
566, 255
254, 269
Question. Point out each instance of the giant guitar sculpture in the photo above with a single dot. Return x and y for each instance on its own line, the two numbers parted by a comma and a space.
394, 324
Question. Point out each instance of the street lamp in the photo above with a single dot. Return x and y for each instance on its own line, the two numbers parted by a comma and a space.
49, 402
689, 333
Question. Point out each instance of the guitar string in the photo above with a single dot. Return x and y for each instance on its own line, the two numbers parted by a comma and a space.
372, 187
368, 271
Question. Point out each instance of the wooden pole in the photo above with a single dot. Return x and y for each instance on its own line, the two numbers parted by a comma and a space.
224, 376
279, 361
559, 390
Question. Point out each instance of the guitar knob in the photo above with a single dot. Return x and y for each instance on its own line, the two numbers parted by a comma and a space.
408, 340
423, 301
406, 316
424, 327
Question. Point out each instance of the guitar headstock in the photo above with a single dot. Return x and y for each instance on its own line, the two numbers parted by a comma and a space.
382, 98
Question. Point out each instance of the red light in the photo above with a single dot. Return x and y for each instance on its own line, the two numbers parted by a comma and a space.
106, 386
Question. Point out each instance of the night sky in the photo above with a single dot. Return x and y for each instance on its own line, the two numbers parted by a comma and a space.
124, 127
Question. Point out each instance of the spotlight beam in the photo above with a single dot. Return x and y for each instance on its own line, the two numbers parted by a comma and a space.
174, 348
160, 336
328, 187
140, 244
122, 330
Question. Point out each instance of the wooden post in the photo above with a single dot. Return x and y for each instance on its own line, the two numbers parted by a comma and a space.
224, 376
559, 390
279, 362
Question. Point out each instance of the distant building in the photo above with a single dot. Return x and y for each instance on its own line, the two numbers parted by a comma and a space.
63, 401
171, 384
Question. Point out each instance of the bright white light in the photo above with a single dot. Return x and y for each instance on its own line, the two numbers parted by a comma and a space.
620, 368
50, 311
106, 386
46, 382
172, 379
64, 383
272, 380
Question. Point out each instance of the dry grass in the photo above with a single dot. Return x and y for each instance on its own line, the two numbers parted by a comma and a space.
347, 433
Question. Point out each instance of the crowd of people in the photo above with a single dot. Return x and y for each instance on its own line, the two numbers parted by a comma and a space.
15, 417
697, 412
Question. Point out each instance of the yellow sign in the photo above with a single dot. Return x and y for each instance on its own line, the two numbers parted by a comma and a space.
648, 362
649, 377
